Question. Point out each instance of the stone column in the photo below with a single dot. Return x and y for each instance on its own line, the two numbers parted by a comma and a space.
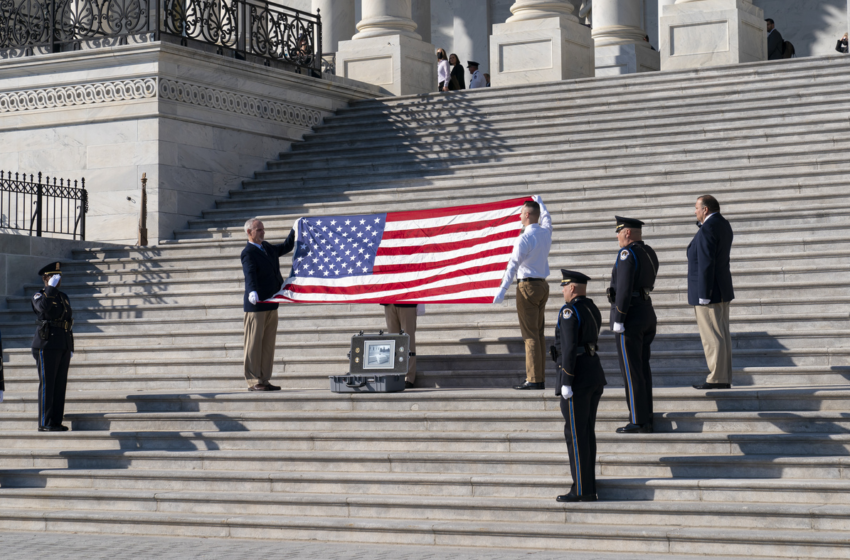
541, 42
388, 52
337, 22
619, 37
704, 33
422, 16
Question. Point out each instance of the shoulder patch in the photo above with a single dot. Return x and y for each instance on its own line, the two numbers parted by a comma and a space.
568, 313
624, 254
37, 295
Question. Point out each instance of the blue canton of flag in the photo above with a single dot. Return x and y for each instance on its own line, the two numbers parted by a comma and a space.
338, 246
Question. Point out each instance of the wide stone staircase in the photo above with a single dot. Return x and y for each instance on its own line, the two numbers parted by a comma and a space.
166, 441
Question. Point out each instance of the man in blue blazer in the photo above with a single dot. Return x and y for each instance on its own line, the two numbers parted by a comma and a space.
710, 289
261, 266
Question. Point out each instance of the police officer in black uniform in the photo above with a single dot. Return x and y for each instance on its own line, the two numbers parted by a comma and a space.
52, 347
580, 382
633, 320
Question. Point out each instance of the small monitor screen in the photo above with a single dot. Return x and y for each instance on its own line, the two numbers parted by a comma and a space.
379, 354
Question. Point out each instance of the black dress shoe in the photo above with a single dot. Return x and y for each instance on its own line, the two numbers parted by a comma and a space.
408, 385
259, 387
636, 429
59, 428
270, 387
707, 386
531, 386
573, 498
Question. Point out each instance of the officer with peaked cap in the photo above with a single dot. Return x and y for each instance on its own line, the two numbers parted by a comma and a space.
633, 320
476, 80
580, 382
52, 347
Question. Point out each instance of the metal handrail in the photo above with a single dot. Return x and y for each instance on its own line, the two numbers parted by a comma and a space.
56, 206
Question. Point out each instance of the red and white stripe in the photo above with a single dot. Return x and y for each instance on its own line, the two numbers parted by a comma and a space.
444, 255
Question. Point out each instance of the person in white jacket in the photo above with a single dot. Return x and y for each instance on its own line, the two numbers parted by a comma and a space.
443, 70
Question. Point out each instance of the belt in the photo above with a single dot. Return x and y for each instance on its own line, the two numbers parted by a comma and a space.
59, 324
531, 280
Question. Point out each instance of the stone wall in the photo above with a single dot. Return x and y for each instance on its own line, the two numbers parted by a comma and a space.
813, 26
22, 256
196, 123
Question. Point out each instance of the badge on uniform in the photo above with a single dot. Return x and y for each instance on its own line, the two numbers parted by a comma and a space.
624, 254
37, 295
568, 313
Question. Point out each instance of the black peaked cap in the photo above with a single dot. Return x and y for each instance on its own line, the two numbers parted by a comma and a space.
50, 270
630, 223
573, 277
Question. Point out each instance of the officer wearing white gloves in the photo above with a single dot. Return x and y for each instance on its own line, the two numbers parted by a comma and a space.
530, 264
52, 348
633, 320
261, 266
580, 382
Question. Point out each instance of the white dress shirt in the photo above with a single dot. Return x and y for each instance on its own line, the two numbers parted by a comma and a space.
477, 80
530, 258
443, 72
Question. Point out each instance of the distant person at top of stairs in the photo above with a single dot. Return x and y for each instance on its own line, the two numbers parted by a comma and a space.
841, 45
580, 381
457, 79
261, 266
52, 348
443, 71
775, 42
633, 320
476, 80
530, 264
710, 289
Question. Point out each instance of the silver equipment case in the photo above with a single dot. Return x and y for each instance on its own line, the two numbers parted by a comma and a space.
377, 363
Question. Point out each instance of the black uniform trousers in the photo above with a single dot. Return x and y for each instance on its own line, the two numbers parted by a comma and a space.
580, 432
633, 350
52, 380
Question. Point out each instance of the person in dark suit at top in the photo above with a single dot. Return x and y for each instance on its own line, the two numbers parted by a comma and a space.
775, 42
841, 45
261, 266
580, 382
710, 289
457, 78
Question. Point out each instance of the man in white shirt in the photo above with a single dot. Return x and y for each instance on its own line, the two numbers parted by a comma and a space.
477, 80
530, 264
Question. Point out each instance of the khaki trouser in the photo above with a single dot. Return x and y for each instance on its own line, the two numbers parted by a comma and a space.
531, 298
260, 336
713, 322
404, 319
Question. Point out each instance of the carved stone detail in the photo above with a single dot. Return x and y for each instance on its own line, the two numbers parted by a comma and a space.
203, 96
83, 94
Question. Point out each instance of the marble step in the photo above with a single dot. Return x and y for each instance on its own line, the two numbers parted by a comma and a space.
597, 538
774, 490
816, 141
221, 400
654, 514
445, 442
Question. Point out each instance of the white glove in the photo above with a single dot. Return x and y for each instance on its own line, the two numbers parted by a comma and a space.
704, 301
499, 298
253, 298
619, 328
566, 391
54, 280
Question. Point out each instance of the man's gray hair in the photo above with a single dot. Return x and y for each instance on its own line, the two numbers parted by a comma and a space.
249, 225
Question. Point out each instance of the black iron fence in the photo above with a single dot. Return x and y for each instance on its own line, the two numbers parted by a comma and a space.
240, 28
41, 207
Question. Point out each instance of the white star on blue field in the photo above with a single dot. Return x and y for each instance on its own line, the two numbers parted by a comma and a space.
338, 246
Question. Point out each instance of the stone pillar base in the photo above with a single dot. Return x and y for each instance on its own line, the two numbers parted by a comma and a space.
398, 64
540, 50
626, 59
712, 33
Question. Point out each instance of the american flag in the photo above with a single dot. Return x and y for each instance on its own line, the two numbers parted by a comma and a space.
444, 255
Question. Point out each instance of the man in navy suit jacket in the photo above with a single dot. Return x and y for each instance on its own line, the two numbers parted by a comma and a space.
261, 266
710, 289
